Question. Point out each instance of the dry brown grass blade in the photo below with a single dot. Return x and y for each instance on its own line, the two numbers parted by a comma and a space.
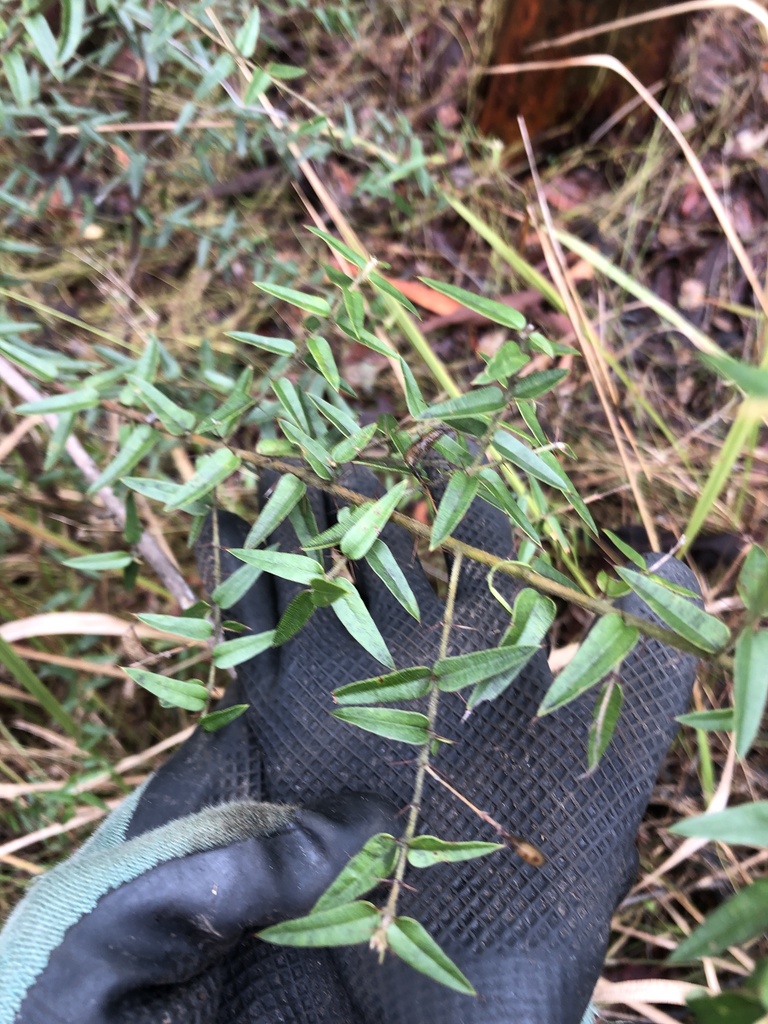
690, 846
85, 816
84, 624
643, 990
590, 349
21, 429
12, 790
669, 11
600, 60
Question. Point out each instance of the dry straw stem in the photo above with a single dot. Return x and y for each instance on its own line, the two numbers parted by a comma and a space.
670, 11
588, 343
600, 60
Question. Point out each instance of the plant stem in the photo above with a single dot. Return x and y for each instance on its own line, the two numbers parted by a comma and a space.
378, 941
519, 571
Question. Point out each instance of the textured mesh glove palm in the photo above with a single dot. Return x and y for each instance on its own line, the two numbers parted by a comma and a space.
531, 940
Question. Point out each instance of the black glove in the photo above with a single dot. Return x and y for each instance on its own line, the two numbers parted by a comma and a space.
532, 941
97, 934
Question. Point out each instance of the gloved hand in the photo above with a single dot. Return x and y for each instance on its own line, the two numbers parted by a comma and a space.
531, 940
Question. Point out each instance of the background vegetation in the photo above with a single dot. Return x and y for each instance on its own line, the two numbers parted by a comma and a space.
159, 159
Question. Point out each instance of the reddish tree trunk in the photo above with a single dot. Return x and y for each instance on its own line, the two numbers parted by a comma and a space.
580, 98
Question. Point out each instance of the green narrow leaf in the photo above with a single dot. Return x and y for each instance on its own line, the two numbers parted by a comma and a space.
133, 528
491, 688
325, 592
522, 457
537, 383
497, 494
259, 84
347, 925
393, 724
753, 380
39, 32
162, 490
176, 420
457, 498
248, 36
288, 396
406, 684
350, 447
473, 403
27, 679
70, 401
355, 307
138, 444
386, 567
310, 303
179, 625
285, 72
34, 361
362, 873
728, 1008
223, 420
242, 648
746, 825
413, 396
750, 690
677, 612
72, 21
426, 851
469, 669
743, 917
709, 721
499, 312
313, 451
296, 568
221, 68
210, 471
340, 417
604, 647
298, 613
235, 586
362, 535
412, 943
532, 616
18, 78
382, 285
286, 495
509, 359
625, 549
103, 560
356, 619
752, 584
344, 250
58, 441
545, 569
218, 719
604, 719
178, 693
277, 346
321, 352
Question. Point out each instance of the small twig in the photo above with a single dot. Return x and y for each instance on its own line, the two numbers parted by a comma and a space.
527, 851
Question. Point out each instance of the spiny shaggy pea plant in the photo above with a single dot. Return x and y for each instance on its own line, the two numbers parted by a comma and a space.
301, 403
291, 390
